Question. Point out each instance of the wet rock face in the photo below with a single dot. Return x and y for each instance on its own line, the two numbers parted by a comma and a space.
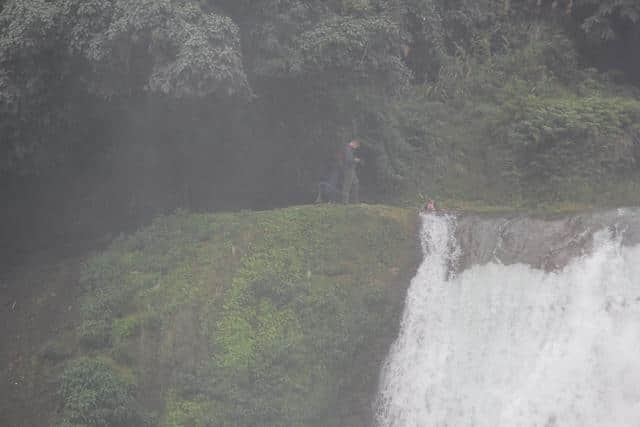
543, 243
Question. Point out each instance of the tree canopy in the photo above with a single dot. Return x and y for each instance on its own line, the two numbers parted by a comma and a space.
147, 105
56, 55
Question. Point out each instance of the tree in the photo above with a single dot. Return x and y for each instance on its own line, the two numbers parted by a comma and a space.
57, 55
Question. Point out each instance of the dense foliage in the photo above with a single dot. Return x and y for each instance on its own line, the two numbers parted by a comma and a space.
61, 57
94, 394
113, 111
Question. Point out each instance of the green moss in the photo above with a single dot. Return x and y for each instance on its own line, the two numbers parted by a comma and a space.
292, 326
260, 318
186, 413
128, 327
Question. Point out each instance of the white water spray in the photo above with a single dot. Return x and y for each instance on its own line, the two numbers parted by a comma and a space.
509, 346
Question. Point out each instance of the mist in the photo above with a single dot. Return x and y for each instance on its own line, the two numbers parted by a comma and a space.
212, 206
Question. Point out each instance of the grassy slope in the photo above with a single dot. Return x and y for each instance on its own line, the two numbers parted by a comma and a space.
254, 318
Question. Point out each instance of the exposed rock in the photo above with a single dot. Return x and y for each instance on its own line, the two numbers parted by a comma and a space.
548, 243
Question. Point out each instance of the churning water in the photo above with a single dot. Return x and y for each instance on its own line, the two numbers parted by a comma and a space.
515, 346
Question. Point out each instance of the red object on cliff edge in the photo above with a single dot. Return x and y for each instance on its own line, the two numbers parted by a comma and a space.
430, 206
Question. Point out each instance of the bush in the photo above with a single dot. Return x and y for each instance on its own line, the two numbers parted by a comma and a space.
95, 394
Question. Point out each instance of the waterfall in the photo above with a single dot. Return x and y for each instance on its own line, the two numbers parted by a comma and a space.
512, 346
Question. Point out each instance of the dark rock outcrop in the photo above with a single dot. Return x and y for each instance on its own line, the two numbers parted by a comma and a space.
548, 243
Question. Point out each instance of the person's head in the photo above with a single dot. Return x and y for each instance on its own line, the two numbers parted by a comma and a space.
355, 144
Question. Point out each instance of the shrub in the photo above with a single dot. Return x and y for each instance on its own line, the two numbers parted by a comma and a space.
95, 394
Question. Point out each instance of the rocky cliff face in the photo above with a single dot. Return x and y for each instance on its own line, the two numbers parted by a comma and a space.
547, 243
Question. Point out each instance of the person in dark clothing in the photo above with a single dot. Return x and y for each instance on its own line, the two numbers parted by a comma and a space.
348, 162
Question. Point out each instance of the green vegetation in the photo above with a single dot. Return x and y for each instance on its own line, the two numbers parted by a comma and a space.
525, 149
95, 394
510, 116
277, 318
116, 111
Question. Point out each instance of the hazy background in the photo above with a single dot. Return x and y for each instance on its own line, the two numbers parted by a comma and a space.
112, 112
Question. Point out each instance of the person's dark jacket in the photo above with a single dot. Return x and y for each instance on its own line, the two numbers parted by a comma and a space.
348, 158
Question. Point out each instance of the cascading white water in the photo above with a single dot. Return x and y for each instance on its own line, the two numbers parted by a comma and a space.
515, 346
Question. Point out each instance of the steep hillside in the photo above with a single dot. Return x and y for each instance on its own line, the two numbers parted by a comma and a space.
277, 318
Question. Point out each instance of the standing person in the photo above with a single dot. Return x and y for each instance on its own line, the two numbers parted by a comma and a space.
348, 163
